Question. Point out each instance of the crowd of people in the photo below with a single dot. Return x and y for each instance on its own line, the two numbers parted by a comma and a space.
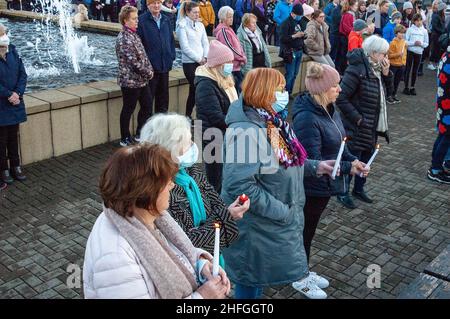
156, 235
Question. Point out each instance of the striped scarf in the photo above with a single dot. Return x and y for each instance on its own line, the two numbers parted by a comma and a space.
289, 150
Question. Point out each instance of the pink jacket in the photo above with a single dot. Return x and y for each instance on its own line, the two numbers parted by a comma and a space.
227, 36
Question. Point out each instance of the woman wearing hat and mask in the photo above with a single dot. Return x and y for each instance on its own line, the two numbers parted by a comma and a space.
214, 92
320, 130
13, 81
264, 159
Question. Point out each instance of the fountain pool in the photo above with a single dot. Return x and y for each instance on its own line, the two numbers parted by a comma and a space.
43, 52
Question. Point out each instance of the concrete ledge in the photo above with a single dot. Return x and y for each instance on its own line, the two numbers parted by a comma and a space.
34, 105
110, 87
85, 93
56, 98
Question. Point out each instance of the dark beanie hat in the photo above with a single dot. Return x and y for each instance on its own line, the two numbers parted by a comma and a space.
297, 10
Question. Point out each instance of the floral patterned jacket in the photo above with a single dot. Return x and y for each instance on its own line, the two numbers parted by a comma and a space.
135, 69
443, 95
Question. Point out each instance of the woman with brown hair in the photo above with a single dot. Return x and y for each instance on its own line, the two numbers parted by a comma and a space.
135, 249
265, 160
135, 72
317, 41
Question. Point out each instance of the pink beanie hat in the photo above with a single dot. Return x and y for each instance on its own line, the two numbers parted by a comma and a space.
307, 10
320, 78
218, 54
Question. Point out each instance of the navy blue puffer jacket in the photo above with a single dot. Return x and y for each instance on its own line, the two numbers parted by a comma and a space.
321, 134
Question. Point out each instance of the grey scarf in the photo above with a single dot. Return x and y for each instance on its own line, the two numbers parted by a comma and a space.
382, 118
172, 280
254, 37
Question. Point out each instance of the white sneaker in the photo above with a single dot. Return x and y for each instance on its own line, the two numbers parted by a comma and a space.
321, 282
309, 289
431, 67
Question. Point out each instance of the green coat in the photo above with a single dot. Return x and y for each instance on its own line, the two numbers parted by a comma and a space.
248, 49
269, 249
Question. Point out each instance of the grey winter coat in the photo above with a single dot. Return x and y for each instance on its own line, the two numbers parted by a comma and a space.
269, 250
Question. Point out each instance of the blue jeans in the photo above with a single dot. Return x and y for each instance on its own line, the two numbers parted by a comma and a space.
246, 292
292, 70
440, 149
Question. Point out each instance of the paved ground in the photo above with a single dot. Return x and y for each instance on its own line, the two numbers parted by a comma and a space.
45, 222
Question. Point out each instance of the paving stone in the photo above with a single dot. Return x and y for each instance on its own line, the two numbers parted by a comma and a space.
45, 221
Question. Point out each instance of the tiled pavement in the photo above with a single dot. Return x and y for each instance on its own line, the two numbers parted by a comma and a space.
45, 222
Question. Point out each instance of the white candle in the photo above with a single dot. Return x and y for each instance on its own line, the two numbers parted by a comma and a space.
216, 250
338, 159
371, 158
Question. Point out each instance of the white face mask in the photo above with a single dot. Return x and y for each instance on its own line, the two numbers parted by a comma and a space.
227, 69
190, 157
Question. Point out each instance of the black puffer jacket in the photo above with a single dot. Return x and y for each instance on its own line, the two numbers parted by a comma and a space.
212, 103
321, 134
360, 100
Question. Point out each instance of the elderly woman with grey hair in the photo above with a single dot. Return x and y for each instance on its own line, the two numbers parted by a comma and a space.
225, 34
194, 203
362, 102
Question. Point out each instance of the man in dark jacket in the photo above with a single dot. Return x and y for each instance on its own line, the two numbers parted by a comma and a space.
157, 37
291, 48
336, 15
13, 80
360, 104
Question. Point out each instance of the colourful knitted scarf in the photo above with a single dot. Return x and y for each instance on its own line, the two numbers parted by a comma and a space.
289, 150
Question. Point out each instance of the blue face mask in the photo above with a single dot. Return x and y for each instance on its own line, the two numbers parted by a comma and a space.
282, 100
227, 69
190, 157
298, 18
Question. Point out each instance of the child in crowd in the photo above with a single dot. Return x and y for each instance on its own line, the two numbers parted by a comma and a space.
397, 57
388, 31
355, 38
416, 39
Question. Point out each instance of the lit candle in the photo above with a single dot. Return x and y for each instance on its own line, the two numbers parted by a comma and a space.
377, 148
242, 199
216, 250
338, 159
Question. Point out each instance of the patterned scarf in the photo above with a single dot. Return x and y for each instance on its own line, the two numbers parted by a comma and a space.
382, 118
289, 150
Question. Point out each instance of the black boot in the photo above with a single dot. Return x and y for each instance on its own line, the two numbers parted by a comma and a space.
362, 196
347, 201
17, 173
6, 177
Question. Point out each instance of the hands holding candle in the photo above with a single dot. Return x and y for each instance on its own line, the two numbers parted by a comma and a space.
338, 159
239, 207
372, 158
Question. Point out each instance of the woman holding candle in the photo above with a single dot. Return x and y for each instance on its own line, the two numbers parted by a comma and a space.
269, 168
136, 249
194, 203
320, 130
362, 102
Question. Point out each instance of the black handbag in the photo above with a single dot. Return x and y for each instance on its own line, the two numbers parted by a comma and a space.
287, 54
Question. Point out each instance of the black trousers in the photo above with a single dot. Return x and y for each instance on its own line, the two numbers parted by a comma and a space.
108, 10
209, 30
159, 87
130, 97
398, 72
412, 67
314, 207
189, 72
341, 57
9, 146
435, 50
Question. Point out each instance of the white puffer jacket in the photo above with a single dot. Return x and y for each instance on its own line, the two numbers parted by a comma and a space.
112, 269
193, 40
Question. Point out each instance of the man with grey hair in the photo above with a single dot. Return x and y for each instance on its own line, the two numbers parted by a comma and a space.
362, 102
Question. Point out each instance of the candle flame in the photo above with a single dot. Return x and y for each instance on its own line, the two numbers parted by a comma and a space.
378, 146
345, 139
216, 225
